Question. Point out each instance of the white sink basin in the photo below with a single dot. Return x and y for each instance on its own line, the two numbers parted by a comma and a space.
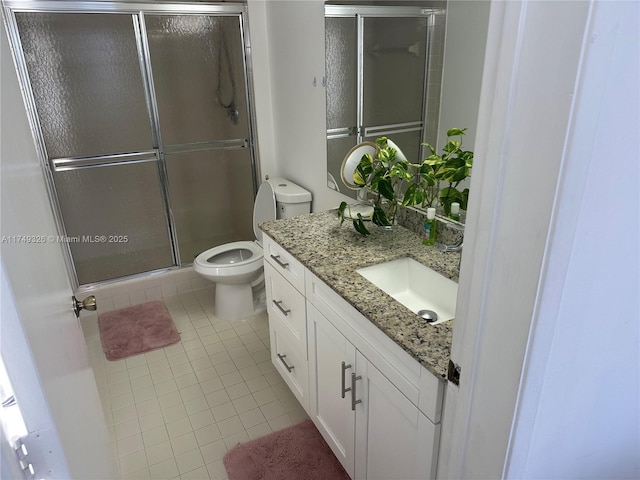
415, 286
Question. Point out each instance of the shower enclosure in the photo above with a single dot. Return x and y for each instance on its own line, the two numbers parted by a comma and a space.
141, 115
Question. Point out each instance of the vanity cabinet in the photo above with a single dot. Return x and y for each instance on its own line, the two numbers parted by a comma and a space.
372, 428
288, 325
376, 406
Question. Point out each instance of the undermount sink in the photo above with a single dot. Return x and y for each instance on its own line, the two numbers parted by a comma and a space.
417, 287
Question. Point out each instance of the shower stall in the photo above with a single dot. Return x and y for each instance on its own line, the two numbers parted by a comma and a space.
141, 115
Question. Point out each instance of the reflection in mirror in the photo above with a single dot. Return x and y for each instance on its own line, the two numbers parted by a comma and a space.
351, 161
384, 71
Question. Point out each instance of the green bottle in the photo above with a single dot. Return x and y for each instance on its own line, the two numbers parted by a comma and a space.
430, 227
455, 211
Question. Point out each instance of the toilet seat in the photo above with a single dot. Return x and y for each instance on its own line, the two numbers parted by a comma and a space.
221, 260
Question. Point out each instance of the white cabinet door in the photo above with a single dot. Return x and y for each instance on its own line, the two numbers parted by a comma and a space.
290, 361
394, 440
331, 362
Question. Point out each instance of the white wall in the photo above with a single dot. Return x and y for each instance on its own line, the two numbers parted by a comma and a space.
42, 292
294, 36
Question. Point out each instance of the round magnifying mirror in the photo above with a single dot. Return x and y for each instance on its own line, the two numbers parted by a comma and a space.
351, 161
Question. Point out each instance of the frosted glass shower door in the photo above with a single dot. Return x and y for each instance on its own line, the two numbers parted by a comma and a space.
341, 43
198, 67
393, 89
86, 80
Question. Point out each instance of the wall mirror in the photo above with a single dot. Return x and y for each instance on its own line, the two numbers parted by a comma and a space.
385, 67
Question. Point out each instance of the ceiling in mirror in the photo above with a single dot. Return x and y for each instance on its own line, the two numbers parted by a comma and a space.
384, 71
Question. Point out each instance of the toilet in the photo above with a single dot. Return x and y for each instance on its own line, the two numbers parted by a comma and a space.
237, 267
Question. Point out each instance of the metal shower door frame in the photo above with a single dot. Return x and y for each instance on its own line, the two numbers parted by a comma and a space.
360, 13
137, 10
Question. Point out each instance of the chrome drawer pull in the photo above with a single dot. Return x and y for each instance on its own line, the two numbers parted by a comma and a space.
354, 402
277, 259
289, 368
344, 369
278, 303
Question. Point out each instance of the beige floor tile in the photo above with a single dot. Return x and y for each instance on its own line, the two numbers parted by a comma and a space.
216, 470
184, 443
176, 411
164, 470
159, 453
189, 461
208, 434
213, 451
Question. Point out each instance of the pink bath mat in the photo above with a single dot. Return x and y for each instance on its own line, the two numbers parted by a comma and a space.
138, 329
295, 453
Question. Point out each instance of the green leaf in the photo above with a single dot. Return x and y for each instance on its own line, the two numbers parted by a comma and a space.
433, 160
363, 170
431, 149
456, 131
379, 217
459, 174
465, 199
400, 170
429, 179
385, 188
359, 226
381, 142
341, 208
451, 146
410, 195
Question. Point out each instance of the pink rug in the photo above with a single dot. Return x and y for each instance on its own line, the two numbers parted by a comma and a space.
138, 329
295, 453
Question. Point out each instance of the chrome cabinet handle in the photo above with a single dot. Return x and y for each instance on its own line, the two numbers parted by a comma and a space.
344, 369
354, 402
278, 303
282, 359
277, 259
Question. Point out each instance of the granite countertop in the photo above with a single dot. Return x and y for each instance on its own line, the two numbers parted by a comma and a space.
332, 252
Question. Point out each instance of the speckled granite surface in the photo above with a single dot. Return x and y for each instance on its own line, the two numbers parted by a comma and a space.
334, 252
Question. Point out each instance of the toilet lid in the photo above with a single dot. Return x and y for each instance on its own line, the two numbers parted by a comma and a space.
264, 208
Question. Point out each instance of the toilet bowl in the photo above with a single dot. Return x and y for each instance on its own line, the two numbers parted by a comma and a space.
237, 267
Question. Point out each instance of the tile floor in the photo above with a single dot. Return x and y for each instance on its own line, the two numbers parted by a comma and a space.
173, 413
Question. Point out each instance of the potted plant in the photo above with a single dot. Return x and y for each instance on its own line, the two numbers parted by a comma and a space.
453, 166
383, 175
393, 181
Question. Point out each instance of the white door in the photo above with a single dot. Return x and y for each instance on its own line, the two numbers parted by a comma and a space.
38, 291
331, 362
25, 415
394, 440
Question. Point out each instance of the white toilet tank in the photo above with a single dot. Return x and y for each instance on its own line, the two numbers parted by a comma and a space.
291, 199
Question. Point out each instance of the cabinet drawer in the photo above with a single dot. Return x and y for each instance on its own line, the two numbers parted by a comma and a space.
286, 304
290, 361
283, 262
